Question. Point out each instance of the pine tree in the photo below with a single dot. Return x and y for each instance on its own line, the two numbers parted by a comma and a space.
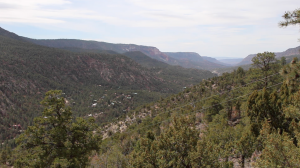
261, 106
3, 156
291, 73
55, 140
245, 144
145, 153
282, 61
173, 148
263, 62
212, 107
279, 148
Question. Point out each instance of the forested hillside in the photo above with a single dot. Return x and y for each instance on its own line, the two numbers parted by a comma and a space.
183, 76
239, 119
112, 82
28, 71
177, 76
236, 115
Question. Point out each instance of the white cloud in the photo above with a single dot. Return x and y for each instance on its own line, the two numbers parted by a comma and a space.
215, 27
141, 13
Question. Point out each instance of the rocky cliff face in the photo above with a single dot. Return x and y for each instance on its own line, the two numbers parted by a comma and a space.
152, 52
288, 52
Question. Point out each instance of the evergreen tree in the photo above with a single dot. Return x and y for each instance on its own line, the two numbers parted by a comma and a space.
291, 73
279, 148
282, 61
221, 137
176, 144
212, 107
4, 156
173, 148
145, 153
245, 144
263, 62
55, 140
261, 106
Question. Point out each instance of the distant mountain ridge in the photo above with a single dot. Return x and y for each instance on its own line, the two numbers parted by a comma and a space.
288, 52
120, 48
9, 34
166, 71
215, 60
231, 61
190, 59
153, 52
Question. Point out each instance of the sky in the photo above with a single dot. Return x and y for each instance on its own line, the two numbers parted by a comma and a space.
215, 28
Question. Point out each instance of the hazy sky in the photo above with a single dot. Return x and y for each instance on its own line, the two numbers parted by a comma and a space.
216, 28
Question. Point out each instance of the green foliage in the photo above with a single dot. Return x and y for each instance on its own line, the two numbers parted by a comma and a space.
207, 154
213, 107
282, 61
279, 149
245, 144
291, 18
173, 148
55, 140
145, 153
240, 72
263, 62
281, 144
5, 155
291, 73
264, 106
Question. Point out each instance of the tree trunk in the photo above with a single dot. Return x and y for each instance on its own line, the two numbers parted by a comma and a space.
243, 161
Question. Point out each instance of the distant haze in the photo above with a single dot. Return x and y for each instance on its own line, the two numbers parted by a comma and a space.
224, 58
231, 61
